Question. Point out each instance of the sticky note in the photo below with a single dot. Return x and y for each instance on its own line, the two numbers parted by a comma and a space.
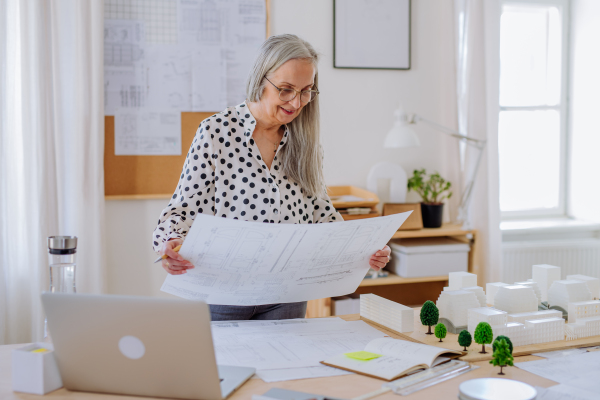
38, 350
362, 355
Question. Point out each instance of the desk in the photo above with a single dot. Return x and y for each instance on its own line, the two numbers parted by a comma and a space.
346, 386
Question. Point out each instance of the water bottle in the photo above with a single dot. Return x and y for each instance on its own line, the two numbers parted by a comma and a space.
61, 257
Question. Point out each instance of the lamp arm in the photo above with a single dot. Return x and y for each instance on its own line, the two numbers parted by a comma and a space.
477, 142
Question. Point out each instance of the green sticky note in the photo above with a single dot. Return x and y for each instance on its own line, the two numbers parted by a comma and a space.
362, 355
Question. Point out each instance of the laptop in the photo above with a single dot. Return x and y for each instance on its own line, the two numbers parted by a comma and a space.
142, 346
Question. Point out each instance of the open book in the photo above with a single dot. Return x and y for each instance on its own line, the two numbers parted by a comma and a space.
398, 358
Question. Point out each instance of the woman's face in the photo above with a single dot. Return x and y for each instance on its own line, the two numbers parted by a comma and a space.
295, 74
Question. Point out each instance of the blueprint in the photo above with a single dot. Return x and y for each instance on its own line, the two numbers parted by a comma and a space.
296, 345
250, 263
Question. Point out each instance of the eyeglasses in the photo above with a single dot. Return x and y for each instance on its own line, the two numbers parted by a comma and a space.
290, 94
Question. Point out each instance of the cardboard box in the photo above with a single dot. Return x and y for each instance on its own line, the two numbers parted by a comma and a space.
34, 372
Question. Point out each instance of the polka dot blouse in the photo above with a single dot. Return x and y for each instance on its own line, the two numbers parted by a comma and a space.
224, 175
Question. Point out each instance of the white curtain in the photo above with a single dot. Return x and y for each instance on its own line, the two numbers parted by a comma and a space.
477, 99
51, 151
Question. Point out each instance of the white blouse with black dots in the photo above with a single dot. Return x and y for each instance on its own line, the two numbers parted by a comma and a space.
224, 175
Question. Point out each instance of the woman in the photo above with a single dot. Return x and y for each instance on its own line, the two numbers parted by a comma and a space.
258, 161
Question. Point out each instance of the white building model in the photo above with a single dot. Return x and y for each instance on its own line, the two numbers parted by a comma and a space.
584, 319
563, 292
535, 288
592, 283
539, 327
453, 305
516, 299
491, 289
387, 313
544, 275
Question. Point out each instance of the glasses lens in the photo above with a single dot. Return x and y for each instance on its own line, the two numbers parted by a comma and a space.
307, 96
287, 94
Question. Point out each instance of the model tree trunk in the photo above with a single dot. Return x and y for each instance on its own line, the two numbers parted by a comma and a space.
465, 348
429, 331
483, 349
501, 373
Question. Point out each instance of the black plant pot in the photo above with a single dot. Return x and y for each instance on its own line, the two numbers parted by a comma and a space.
432, 215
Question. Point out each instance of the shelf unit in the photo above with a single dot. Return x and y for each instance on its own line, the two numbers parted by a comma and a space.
407, 291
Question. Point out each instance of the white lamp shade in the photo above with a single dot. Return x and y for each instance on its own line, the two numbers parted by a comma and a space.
401, 135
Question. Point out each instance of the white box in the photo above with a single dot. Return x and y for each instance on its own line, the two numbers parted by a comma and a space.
35, 373
413, 258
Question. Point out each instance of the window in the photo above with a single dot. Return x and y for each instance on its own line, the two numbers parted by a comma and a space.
532, 136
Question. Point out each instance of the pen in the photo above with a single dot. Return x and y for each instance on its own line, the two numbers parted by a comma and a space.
164, 256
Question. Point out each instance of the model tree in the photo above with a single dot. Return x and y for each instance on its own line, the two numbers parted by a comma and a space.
429, 315
501, 356
500, 337
464, 339
483, 335
440, 331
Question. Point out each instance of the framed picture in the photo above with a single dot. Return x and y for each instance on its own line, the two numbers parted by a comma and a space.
371, 34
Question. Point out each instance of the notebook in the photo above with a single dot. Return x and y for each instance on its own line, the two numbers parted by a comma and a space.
392, 358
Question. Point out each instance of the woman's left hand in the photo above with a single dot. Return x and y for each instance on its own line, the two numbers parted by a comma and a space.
381, 258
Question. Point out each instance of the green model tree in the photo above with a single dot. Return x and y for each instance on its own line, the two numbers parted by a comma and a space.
500, 337
429, 315
501, 356
464, 339
483, 335
440, 331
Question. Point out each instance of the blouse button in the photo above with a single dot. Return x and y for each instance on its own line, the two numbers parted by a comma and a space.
275, 211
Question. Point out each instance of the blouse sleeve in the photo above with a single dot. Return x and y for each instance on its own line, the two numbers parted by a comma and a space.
194, 193
324, 210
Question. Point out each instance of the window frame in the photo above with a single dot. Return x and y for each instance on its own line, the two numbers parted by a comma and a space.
563, 108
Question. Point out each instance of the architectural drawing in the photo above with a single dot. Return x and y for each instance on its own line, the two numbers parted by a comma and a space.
250, 263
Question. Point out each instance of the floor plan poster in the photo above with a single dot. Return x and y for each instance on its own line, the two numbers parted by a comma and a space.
165, 57
251, 263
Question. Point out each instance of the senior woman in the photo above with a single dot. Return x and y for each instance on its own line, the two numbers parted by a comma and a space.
258, 161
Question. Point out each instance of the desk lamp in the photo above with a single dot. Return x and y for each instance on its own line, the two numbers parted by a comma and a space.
402, 135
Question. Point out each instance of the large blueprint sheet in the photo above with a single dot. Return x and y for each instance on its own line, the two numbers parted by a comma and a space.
250, 263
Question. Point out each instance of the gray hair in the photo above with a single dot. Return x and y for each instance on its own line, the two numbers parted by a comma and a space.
301, 157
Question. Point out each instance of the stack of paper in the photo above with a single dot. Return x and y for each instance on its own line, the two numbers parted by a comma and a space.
289, 349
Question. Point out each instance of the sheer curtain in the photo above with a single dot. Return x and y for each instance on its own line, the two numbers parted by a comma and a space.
51, 151
477, 100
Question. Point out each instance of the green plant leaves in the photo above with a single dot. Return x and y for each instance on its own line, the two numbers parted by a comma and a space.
432, 190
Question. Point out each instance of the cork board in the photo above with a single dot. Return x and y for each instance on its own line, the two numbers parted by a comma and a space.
130, 177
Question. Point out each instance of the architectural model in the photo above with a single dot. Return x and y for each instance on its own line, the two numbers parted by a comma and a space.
478, 290
453, 306
544, 275
485, 314
387, 313
491, 289
592, 283
545, 330
535, 287
563, 292
459, 280
516, 299
530, 316
584, 319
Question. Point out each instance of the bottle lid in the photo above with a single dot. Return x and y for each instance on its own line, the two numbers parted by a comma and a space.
62, 244
495, 389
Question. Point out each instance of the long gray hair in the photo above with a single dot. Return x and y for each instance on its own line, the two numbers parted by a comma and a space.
301, 156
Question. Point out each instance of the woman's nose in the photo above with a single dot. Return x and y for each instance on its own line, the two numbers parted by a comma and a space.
296, 102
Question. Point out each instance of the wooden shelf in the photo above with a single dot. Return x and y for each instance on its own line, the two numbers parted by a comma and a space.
445, 230
394, 279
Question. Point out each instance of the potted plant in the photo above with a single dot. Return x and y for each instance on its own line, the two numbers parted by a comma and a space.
433, 189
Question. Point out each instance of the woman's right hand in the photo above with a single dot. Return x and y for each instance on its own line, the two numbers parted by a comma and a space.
174, 264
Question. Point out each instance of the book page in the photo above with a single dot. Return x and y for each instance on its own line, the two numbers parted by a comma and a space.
416, 353
385, 367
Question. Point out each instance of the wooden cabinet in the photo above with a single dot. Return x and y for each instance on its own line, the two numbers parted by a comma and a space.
407, 291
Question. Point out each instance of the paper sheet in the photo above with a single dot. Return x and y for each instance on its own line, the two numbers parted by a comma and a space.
249, 263
564, 392
170, 57
289, 374
567, 369
276, 346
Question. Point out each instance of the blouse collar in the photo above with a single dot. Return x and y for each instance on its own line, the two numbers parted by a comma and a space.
248, 123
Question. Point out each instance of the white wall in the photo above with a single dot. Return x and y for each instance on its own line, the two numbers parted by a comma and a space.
357, 111
585, 103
